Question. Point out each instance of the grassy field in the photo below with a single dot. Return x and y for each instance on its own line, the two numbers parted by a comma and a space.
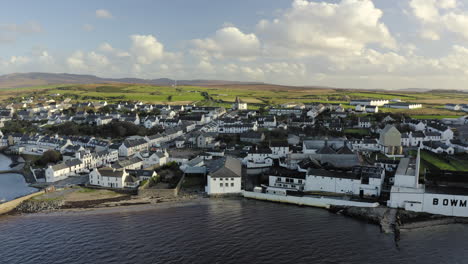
256, 95
357, 131
450, 163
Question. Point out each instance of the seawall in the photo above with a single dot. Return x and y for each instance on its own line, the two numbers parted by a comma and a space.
322, 202
11, 205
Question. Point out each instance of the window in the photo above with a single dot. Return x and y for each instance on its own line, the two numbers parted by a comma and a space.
300, 181
220, 179
221, 185
232, 179
232, 184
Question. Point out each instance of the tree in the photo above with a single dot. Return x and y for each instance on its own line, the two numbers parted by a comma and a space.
169, 98
50, 156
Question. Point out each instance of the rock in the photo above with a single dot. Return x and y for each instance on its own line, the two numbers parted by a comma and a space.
35, 206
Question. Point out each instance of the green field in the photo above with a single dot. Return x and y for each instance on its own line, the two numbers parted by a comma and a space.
450, 163
357, 131
224, 95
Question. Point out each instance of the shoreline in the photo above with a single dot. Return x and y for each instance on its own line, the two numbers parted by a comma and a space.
389, 223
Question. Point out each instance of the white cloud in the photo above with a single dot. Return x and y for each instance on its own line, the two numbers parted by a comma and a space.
88, 27
28, 28
90, 62
312, 28
447, 4
19, 60
106, 47
439, 16
425, 10
103, 13
430, 34
146, 48
205, 66
10, 32
228, 42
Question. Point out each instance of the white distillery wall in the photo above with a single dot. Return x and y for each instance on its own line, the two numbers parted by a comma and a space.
454, 205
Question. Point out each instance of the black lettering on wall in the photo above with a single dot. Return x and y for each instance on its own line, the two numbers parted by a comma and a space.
435, 201
462, 203
445, 202
453, 202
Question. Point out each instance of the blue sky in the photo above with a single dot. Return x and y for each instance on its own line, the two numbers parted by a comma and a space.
343, 43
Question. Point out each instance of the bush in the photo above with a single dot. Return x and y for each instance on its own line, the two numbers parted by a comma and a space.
50, 156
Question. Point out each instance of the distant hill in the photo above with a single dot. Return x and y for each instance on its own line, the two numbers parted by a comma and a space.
15, 80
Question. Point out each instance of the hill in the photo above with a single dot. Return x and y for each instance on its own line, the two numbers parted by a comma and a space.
16, 80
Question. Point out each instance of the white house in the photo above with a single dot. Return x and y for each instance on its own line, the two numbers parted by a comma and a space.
97, 159
445, 131
226, 179
360, 108
453, 107
151, 122
279, 149
63, 170
154, 158
364, 122
417, 125
103, 120
372, 109
108, 177
134, 163
132, 146
438, 147
259, 158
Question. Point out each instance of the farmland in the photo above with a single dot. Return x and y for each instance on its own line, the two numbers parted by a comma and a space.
257, 95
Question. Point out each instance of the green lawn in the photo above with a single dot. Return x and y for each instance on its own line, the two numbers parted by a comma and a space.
358, 131
434, 116
443, 162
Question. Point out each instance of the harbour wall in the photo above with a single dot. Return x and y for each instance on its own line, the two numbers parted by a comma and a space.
322, 202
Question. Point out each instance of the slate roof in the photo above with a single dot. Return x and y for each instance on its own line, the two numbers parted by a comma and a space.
231, 168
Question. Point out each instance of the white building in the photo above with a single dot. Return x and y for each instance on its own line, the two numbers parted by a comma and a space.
372, 109
225, 180
103, 120
239, 104
287, 179
237, 129
63, 170
154, 158
108, 177
97, 159
408, 194
445, 131
132, 146
362, 181
453, 107
370, 102
404, 105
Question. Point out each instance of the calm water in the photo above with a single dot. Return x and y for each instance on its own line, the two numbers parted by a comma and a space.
221, 232
12, 185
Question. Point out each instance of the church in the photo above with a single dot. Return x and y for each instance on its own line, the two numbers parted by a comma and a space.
239, 104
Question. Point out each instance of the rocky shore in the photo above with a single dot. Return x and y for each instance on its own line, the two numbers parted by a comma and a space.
56, 205
35, 206
393, 221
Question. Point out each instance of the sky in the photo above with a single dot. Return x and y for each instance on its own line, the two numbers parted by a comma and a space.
377, 44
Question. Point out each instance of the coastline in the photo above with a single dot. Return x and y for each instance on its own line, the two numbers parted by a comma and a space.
391, 221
